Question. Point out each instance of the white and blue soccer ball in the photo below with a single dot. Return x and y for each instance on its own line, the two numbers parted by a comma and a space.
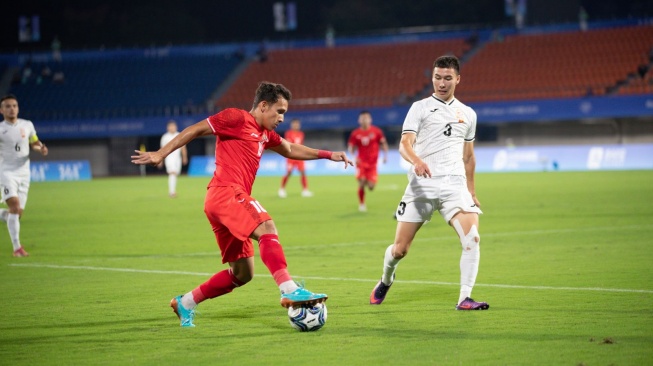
309, 318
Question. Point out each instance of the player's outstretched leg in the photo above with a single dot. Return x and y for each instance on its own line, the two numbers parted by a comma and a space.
185, 316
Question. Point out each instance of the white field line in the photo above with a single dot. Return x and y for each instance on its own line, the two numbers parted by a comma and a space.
206, 274
446, 237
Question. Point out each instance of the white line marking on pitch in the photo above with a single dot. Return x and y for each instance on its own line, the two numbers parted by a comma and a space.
205, 274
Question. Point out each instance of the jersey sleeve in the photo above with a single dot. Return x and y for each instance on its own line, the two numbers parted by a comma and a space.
31, 137
227, 123
352, 138
413, 118
471, 132
381, 134
274, 139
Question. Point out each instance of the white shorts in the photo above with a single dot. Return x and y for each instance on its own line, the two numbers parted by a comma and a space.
15, 185
448, 194
173, 165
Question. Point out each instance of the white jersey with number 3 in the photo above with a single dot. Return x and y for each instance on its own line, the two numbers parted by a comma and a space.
441, 130
15, 146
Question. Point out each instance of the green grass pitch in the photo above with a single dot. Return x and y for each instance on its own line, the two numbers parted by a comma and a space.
566, 265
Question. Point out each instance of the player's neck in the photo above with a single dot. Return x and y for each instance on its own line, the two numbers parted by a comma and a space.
11, 121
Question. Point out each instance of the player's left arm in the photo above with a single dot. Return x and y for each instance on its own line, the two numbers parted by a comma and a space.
38, 145
300, 152
470, 167
384, 146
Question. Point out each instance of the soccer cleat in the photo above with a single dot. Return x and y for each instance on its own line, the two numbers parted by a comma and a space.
380, 290
302, 297
307, 193
185, 316
20, 252
470, 304
362, 207
282, 193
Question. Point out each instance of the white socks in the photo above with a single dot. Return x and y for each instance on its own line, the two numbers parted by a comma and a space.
172, 184
389, 266
188, 301
469, 262
13, 224
288, 287
3, 214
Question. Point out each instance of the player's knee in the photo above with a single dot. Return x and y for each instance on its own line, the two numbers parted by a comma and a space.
471, 240
399, 252
243, 276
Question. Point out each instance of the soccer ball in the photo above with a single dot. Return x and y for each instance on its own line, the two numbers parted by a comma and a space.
309, 318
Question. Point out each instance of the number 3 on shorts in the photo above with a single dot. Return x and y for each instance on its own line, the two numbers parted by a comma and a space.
402, 208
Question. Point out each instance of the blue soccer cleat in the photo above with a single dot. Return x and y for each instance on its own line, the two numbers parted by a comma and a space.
302, 297
185, 316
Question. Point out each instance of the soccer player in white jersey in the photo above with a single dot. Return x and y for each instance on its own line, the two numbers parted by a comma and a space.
16, 137
438, 140
173, 161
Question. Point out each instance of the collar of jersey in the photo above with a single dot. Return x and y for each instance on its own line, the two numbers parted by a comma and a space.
442, 101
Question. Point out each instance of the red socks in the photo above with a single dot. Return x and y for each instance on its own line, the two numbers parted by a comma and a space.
361, 195
304, 182
224, 282
221, 283
273, 257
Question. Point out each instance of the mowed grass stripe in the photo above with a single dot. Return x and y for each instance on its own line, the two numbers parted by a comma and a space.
416, 282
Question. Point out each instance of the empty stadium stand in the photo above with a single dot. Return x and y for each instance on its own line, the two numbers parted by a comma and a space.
124, 87
557, 65
345, 77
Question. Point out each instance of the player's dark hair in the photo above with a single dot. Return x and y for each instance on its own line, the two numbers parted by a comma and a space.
8, 96
364, 111
270, 92
447, 62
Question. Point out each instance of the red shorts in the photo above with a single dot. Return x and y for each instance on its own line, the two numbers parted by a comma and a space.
367, 172
294, 164
233, 215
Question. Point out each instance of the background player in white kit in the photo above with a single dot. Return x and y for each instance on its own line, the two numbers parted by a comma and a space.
16, 137
438, 140
173, 161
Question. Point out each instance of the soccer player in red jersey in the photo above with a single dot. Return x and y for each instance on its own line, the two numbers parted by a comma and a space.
235, 216
296, 136
366, 140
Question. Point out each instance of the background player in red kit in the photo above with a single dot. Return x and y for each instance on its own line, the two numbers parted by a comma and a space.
235, 216
296, 136
366, 140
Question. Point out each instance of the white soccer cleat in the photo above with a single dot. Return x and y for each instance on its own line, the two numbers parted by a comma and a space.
307, 193
282, 193
362, 207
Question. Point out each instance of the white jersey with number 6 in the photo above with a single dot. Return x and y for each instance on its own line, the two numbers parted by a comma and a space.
442, 129
15, 146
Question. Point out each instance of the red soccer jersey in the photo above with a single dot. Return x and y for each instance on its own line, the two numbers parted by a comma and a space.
296, 137
240, 142
367, 143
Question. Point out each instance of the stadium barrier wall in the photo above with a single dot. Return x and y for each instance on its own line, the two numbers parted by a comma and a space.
64, 170
499, 112
488, 159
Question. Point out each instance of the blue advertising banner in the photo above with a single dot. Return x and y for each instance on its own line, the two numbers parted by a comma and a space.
488, 113
488, 159
65, 170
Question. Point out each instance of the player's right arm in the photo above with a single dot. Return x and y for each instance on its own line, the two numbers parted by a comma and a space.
187, 135
408, 153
